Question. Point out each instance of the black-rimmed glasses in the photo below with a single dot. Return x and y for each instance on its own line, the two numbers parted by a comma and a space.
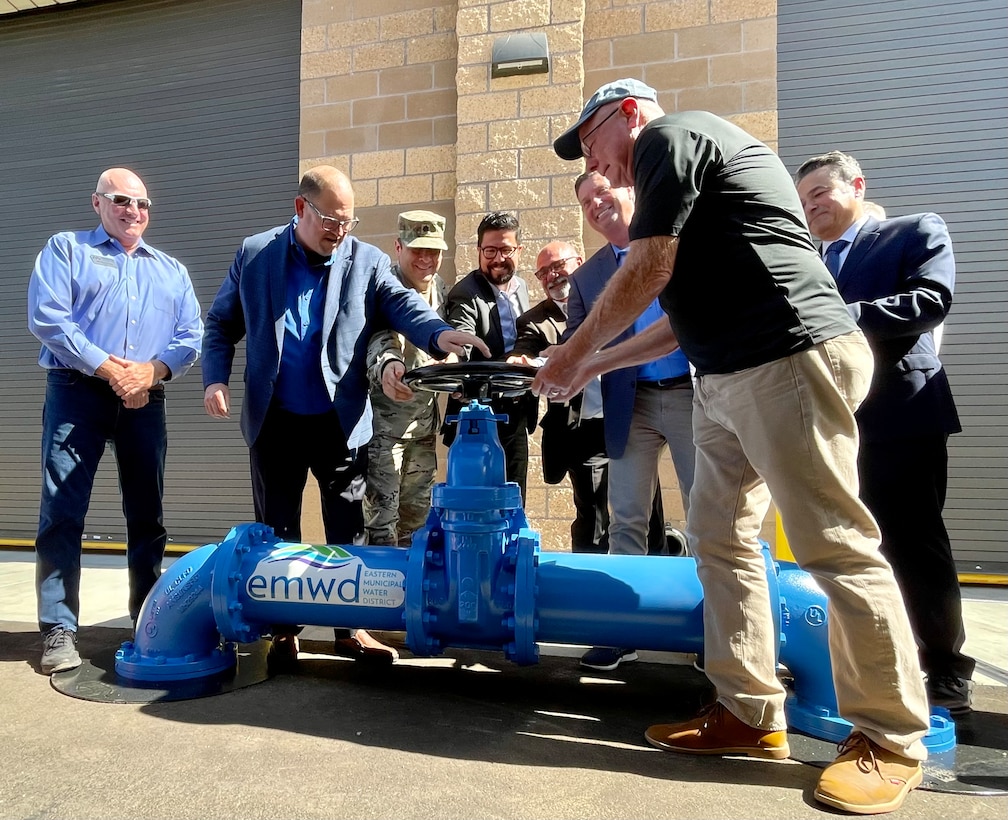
585, 148
123, 201
333, 224
559, 266
490, 252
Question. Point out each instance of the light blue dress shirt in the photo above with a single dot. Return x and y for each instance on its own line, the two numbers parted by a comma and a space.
89, 299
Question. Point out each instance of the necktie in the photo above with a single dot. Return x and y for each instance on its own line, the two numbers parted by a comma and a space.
832, 257
620, 256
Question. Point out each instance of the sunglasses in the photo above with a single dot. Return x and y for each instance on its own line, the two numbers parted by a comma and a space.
123, 201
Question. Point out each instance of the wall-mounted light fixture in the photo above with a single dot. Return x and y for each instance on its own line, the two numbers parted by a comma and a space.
519, 54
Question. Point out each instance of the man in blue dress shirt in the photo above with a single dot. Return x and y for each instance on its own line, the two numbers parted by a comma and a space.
116, 319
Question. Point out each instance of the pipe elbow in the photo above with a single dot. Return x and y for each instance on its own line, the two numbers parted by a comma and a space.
176, 633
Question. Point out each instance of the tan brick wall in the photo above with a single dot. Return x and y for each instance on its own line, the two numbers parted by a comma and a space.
378, 101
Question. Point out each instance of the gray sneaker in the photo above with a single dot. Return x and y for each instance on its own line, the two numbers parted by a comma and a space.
59, 651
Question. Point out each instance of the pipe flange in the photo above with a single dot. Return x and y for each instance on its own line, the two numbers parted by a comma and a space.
526, 650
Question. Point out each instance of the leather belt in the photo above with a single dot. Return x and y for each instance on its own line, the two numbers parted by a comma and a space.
685, 380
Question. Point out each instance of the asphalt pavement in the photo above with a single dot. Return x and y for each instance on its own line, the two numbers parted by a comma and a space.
463, 735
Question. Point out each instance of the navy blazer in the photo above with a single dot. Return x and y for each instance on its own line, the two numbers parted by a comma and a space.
898, 279
362, 296
618, 386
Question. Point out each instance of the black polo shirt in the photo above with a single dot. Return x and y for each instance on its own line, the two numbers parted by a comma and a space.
748, 286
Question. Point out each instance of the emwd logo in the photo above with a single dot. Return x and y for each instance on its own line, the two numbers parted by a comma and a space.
308, 574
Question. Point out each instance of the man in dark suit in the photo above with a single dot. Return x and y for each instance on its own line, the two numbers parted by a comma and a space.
897, 277
306, 297
487, 303
571, 444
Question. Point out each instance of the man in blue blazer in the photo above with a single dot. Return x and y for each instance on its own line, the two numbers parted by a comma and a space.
897, 277
307, 297
645, 408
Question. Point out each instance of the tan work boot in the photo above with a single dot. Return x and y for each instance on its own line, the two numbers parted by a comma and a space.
716, 731
867, 779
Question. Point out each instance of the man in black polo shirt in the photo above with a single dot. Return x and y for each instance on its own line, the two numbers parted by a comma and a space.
781, 368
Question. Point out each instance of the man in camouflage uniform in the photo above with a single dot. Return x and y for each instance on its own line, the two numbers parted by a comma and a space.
401, 456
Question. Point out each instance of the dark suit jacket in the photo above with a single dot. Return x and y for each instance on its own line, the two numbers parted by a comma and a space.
539, 327
898, 280
472, 307
618, 386
362, 296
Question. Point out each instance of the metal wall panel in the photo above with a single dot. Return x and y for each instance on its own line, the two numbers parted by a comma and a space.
202, 100
916, 91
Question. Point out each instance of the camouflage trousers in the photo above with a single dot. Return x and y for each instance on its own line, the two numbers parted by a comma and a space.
399, 483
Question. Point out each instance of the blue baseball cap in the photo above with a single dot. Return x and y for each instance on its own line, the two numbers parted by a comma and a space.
568, 144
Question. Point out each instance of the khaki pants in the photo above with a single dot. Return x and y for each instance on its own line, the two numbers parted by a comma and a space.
786, 429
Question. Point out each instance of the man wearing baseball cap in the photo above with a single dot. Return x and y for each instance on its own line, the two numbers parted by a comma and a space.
720, 237
402, 458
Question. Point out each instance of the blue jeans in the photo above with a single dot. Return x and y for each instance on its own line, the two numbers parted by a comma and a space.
81, 414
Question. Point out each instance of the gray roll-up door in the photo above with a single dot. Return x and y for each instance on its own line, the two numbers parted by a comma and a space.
916, 91
202, 101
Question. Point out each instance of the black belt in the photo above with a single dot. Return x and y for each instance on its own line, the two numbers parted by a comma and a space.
667, 384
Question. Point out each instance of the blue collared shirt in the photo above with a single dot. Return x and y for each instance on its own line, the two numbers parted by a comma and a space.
669, 366
89, 299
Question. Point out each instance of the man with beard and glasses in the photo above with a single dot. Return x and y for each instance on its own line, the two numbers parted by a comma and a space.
487, 303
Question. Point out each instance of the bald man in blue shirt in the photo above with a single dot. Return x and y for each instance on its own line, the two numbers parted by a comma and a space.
116, 319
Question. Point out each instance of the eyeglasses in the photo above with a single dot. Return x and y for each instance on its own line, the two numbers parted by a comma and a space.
123, 201
490, 252
334, 224
559, 266
585, 148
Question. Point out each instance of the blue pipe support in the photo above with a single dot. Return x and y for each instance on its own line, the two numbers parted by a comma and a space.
474, 577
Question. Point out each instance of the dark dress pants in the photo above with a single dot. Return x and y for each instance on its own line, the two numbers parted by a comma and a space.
288, 446
588, 471
903, 483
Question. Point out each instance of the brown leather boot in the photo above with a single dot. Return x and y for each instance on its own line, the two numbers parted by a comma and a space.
716, 731
867, 779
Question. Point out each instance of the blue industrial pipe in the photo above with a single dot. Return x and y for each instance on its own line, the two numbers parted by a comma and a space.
473, 577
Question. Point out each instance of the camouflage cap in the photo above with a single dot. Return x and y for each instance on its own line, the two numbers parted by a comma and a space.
422, 229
